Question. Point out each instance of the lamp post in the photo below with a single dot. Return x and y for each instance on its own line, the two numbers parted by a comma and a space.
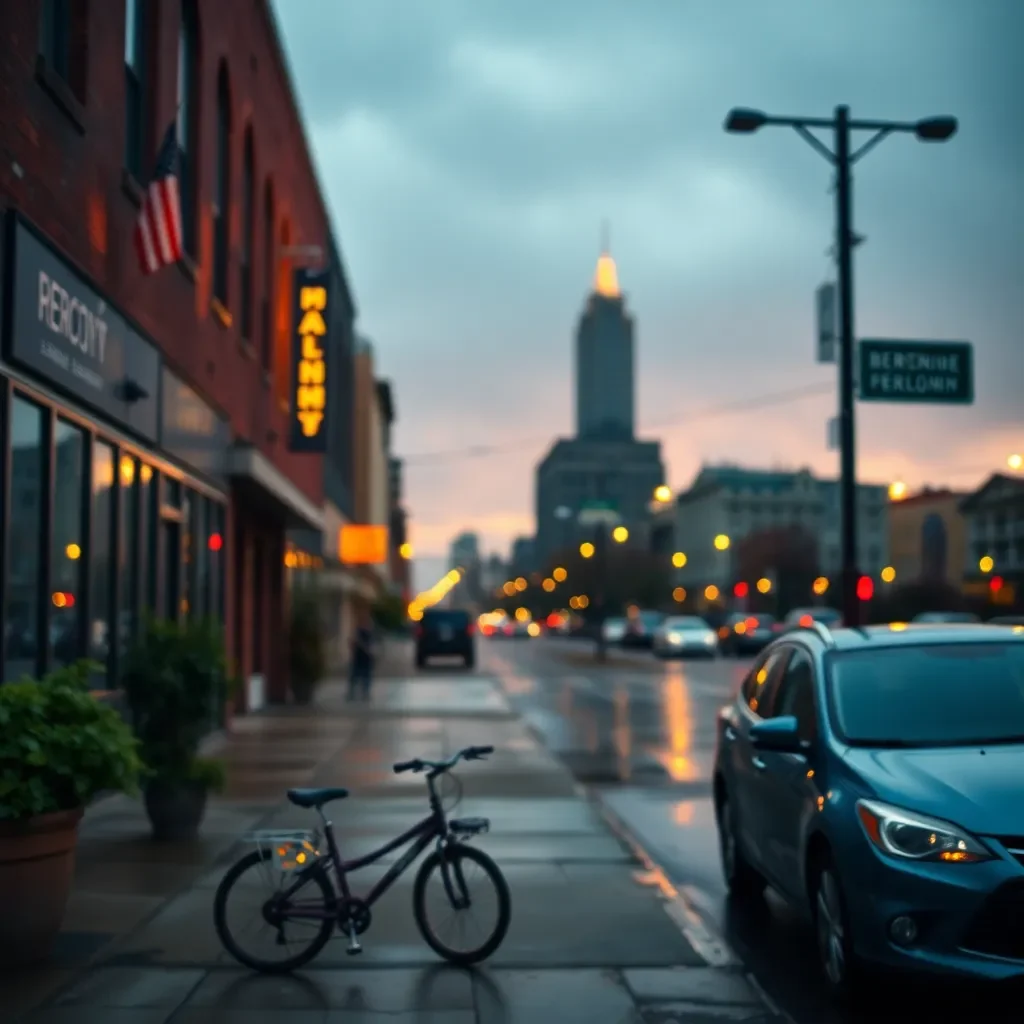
932, 129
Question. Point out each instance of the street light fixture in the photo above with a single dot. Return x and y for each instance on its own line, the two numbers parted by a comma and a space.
679, 559
586, 549
743, 120
620, 534
1015, 461
722, 542
897, 490
663, 493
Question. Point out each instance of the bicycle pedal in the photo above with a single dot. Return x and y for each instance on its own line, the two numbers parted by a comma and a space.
354, 950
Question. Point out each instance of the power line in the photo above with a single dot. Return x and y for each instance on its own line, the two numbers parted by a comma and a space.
738, 407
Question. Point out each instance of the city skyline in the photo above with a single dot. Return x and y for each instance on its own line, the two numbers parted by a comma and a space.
470, 155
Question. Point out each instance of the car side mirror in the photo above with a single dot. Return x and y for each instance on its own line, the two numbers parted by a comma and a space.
781, 735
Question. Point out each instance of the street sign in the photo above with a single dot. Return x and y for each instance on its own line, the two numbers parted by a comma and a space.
939, 372
594, 513
825, 303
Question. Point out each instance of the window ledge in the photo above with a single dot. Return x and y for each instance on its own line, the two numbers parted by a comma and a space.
220, 312
188, 268
131, 188
61, 93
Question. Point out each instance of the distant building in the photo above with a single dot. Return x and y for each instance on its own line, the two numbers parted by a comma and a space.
522, 560
494, 573
994, 516
737, 502
604, 361
928, 537
465, 556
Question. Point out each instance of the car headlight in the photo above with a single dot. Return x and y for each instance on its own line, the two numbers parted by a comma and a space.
674, 638
710, 638
912, 836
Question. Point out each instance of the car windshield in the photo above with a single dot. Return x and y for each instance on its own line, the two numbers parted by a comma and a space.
759, 621
686, 622
452, 619
930, 695
826, 616
946, 617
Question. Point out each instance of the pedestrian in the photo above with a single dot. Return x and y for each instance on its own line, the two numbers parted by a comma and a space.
361, 668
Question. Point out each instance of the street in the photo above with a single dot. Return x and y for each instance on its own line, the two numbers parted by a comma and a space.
641, 734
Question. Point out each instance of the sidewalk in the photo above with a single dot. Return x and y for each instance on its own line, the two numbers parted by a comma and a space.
590, 939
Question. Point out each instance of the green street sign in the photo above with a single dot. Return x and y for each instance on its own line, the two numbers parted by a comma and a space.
934, 372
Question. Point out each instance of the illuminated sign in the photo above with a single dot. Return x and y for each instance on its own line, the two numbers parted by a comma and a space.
363, 545
309, 363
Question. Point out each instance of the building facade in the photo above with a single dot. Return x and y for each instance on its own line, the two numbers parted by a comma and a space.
928, 537
144, 420
737, 502
994, 518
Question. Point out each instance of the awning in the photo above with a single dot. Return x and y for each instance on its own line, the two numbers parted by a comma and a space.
265, 485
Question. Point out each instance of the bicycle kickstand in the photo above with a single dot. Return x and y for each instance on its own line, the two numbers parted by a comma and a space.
354, 949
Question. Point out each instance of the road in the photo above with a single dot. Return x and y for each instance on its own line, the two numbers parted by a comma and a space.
642, 733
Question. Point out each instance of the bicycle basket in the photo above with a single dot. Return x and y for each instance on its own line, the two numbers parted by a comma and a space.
290, 850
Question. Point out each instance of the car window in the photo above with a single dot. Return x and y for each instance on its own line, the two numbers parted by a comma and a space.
794, 694
454, 619
755, 685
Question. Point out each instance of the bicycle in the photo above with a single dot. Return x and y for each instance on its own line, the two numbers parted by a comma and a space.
298, 855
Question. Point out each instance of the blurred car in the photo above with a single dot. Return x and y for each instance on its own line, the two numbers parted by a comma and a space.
680, 635
1007, 620
614, 630
640, 629
445, 632
515, 630
873, 778
801, 618
743, 633
936, 618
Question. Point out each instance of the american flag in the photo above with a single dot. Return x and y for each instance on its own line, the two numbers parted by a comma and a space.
158, 231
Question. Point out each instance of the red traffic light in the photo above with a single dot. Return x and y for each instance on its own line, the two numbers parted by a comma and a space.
741, 590
995, 584
865, 588
216, 542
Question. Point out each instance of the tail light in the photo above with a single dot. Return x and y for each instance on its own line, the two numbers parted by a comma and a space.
470, 629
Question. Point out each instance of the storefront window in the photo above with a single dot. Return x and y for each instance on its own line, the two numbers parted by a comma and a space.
201, 593
70, 550
127, 552
100, 561
21, 620
146, 579
187, 555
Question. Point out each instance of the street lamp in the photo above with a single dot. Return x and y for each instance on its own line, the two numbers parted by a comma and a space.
586, 549
663, 493
620, 534
897, 490
722, 542
1015, 461
931, 129
679, 559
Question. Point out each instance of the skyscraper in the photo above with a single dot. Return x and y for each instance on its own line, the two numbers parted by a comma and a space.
604, 361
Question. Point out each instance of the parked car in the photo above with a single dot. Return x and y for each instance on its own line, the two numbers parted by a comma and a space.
937, 618
873, 778
830, 618
614, 630
445, 632
744, 633
1007, 620
681, 635
640, 629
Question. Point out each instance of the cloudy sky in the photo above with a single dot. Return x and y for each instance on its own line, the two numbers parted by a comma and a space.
470, 150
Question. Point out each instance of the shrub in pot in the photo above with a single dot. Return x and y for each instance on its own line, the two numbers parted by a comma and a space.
306, 653
59, 748
175, 682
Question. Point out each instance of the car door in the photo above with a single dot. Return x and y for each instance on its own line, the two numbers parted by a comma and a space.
789, 789
743, 778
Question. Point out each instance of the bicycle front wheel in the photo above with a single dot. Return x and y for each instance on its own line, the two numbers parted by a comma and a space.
466, 921
259, 928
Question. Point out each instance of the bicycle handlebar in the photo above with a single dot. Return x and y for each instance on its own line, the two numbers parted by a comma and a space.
436, 767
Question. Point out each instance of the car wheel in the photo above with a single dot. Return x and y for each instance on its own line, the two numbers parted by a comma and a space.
832, 938
742, 880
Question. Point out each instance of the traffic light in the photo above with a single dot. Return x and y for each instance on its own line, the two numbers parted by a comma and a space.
741, 589
995, 584
865, 588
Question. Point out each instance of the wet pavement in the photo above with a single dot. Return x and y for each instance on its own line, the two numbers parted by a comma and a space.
595, 936
641, 734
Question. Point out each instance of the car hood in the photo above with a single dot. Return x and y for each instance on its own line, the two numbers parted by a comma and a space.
977, 788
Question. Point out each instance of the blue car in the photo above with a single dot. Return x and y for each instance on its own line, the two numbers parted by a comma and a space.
875, 778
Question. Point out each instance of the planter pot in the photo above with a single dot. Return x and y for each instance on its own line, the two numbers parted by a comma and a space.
37, 865
175, 809
302, 691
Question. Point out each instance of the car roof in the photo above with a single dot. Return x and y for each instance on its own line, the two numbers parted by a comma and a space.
904, 634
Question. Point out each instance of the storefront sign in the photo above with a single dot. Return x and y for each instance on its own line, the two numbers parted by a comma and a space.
62, 330
309, 363
363, 545
191, 430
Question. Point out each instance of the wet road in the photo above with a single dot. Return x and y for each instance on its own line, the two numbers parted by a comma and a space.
643, 732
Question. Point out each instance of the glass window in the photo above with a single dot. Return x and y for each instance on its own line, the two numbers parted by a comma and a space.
127, 553
70, 549
146, 576
134, 55
222, 187
170, 556
269, 278
753, 690
188, 110
100, 560
246, 253
795, 694
21, 621
55, 37
930, 695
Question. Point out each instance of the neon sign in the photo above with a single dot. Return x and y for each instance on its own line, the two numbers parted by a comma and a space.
309, 363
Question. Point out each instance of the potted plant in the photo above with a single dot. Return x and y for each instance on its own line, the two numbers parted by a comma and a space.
59, 748
306, 653
175, 682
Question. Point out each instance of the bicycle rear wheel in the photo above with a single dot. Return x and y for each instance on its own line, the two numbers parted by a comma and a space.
266, 938
474, 878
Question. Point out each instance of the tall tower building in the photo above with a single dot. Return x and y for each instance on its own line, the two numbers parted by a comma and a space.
604, 360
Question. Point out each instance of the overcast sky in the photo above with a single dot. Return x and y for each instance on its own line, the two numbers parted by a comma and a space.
470, 149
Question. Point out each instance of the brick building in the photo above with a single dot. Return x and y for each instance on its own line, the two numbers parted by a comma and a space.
144, 421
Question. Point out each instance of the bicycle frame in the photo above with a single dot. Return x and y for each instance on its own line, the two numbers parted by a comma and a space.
432, 828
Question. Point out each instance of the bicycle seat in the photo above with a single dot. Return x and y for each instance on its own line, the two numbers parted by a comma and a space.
316, 797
